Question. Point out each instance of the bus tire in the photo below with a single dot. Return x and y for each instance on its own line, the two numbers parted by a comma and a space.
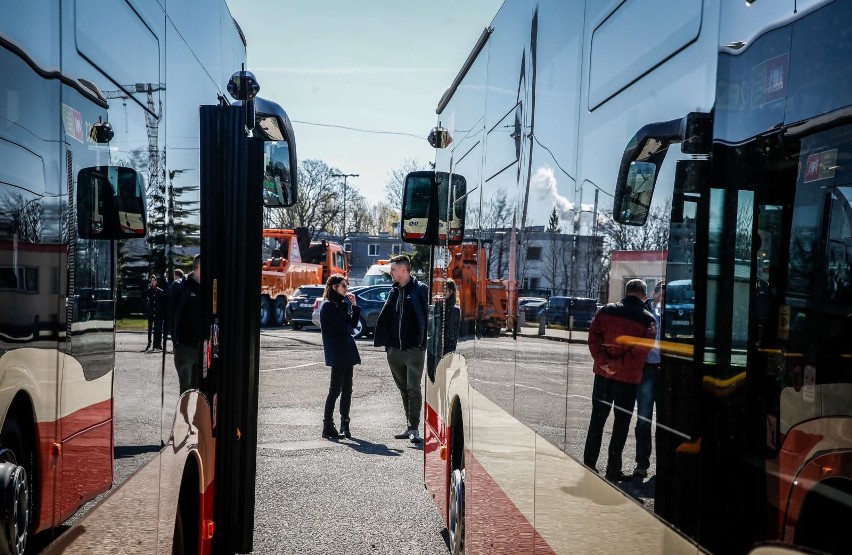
265, 311
16, 474
456, 508
280, 311
186, 531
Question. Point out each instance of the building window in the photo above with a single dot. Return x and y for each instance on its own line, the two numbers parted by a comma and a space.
21, 279
534, 253
347, 247
396, 249
372, 250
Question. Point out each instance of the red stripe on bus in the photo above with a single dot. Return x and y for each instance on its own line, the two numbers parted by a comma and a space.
494, 525
76, 470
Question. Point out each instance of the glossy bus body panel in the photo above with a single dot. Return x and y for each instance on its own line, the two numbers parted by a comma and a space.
540, 122
103, 411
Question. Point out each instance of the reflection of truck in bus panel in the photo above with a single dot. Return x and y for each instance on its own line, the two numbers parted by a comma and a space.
478, 298
295, 260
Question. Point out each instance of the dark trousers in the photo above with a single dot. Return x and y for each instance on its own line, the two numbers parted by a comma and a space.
407, 370
607, 391
645, 413
155, 326
340, 386
188, 366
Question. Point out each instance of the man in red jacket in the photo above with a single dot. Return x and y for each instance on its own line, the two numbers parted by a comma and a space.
619, 359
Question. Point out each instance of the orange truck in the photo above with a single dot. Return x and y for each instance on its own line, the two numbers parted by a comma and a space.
478, 297
295, 261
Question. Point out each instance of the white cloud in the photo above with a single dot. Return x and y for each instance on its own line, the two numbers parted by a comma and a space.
544, 184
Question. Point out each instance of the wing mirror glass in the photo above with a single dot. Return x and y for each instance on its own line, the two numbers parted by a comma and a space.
111, 203
281, 175
433, 208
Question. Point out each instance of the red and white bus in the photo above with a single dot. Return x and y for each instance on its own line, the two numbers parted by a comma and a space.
108, 173
713, 137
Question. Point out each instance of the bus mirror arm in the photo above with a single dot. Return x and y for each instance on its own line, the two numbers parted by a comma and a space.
646, 151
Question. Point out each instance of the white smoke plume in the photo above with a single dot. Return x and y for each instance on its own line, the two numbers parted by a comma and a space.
544, 184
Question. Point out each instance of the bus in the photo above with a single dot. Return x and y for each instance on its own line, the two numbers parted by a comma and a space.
715, 133
110, 172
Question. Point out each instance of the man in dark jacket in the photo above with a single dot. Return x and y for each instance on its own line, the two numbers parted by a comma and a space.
188, 328
156, 309
401, 330
619, 339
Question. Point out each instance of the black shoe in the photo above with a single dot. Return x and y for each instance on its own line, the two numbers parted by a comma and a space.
344, 428
329, 431
404, 435
617, 476
640, 472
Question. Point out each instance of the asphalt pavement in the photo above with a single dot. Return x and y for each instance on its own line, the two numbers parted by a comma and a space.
352, 496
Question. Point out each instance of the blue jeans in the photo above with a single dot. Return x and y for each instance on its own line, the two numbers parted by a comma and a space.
645, 411
605, 393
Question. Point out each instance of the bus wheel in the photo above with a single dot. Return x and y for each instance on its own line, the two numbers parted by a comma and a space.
455, 520
265, 312
15, 498
280, 314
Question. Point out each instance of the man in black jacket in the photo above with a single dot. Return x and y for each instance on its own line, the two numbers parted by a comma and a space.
156, 309
401, 330
188, 328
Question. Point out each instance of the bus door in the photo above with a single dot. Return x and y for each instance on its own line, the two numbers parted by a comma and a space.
801, 325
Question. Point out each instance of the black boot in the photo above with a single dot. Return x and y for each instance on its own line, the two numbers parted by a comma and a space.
328, 430
344, 428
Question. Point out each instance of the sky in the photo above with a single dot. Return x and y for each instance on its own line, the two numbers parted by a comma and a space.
371, 64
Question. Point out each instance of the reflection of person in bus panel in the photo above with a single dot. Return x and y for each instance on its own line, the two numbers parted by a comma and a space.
618, 364
188, 328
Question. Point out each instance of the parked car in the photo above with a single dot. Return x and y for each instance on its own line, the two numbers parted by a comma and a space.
531, 306
679, 309
558, 309
371, 299
300, 306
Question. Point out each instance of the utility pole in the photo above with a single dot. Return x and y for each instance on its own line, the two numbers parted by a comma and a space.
344, 176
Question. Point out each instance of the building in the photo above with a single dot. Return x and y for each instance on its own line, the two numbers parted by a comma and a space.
364, 250
649, 266
550, 262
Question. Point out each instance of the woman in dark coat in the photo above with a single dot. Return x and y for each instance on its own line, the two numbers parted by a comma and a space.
452, 318
341, 353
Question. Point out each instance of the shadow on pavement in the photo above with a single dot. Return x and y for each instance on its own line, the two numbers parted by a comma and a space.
124, 451
364, 446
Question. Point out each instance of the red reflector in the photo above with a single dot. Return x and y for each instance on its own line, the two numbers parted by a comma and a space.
207, 529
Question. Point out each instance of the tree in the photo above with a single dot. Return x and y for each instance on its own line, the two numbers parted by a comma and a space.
318, 203
553, 222
396, 180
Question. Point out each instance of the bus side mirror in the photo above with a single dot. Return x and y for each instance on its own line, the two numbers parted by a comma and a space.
111, 203
280, 175
433, 208
643, 156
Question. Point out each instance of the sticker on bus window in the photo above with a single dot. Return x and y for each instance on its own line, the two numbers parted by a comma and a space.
771, 431
809, 389
72, 120
769, 80
821, 165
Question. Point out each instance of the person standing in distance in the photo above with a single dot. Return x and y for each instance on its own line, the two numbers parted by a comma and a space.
188, 328
341, 353
156, 310
645, 392
618, 362
401, 330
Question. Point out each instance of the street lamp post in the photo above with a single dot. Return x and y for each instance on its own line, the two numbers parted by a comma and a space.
344, 176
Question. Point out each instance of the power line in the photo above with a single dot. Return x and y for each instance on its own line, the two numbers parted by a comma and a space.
374, 131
